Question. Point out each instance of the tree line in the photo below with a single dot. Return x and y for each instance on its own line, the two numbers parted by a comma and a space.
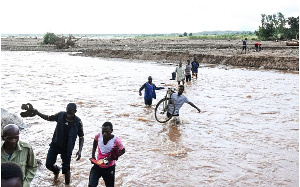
273, 27
276, 26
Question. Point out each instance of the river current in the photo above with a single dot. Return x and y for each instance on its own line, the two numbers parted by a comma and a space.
247, 133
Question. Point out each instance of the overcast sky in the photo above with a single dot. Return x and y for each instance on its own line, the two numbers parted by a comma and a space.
137, 16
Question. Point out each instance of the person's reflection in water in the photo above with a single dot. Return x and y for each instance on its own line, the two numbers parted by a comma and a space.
174, 133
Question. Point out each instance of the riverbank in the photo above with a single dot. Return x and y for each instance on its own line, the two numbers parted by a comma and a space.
275, 55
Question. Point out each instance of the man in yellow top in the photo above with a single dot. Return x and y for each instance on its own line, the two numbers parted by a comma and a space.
19, 152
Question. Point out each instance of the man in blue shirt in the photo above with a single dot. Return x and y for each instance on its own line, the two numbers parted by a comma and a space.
244, 45
68, 127
195, 66
149, 91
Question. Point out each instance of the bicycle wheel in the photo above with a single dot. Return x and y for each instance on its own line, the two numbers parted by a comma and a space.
161, 110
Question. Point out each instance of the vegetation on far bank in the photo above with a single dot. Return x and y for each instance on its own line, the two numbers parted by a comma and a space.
273, 27
61, 42
204, 37
276, 26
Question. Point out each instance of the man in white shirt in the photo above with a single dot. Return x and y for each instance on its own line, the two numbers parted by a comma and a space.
180, 73
179, 99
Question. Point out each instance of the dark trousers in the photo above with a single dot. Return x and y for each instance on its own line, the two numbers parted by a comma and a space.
188, 78
108, 175
244, 48
169, 114
51, 160
148, 101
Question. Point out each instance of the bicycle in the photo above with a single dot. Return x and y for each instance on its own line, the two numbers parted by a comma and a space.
163, 106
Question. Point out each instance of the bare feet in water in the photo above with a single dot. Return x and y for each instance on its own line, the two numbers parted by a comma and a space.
55, 180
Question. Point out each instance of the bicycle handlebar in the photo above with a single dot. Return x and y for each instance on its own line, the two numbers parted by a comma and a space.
172, 89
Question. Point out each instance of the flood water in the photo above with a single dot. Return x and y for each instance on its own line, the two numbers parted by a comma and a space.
246, 135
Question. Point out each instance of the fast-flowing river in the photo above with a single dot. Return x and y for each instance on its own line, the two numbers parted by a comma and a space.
245, 135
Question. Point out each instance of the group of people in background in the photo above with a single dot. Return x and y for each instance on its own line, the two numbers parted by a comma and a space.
186, 73
182, 75
18, 163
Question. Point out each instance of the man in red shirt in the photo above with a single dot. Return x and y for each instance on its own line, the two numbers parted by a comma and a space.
257, 46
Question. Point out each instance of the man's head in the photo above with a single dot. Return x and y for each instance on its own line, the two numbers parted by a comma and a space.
180, 89
107, 129
11, 175
150, 79
71, 110
188, 61
180, 64
10, 136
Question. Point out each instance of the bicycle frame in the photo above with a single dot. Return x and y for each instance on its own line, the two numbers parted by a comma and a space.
168, 95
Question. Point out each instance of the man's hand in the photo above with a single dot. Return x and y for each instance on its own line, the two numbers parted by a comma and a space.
140, 94
35, 111
198, 110
78, 155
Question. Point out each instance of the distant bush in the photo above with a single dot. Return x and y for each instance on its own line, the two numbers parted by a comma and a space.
50, 38
61, 42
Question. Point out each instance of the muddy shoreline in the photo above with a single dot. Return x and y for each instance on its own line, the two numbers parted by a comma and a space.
275, 55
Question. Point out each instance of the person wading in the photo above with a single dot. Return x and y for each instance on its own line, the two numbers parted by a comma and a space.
68, 127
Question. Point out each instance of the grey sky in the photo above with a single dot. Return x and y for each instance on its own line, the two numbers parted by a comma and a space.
133, 16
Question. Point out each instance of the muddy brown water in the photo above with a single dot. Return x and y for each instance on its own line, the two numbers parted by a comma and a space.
246, 134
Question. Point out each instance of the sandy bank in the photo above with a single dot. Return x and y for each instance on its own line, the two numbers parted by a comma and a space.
275, 55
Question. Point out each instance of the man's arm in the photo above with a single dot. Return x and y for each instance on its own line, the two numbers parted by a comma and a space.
45, 117
31, 167
122, 152
192, 104
140, 91
158, 88
81, 141
94, 149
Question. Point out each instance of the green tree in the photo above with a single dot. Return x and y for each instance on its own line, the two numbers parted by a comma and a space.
280, 26
61, 42
50, 38
293, 30
277, 27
